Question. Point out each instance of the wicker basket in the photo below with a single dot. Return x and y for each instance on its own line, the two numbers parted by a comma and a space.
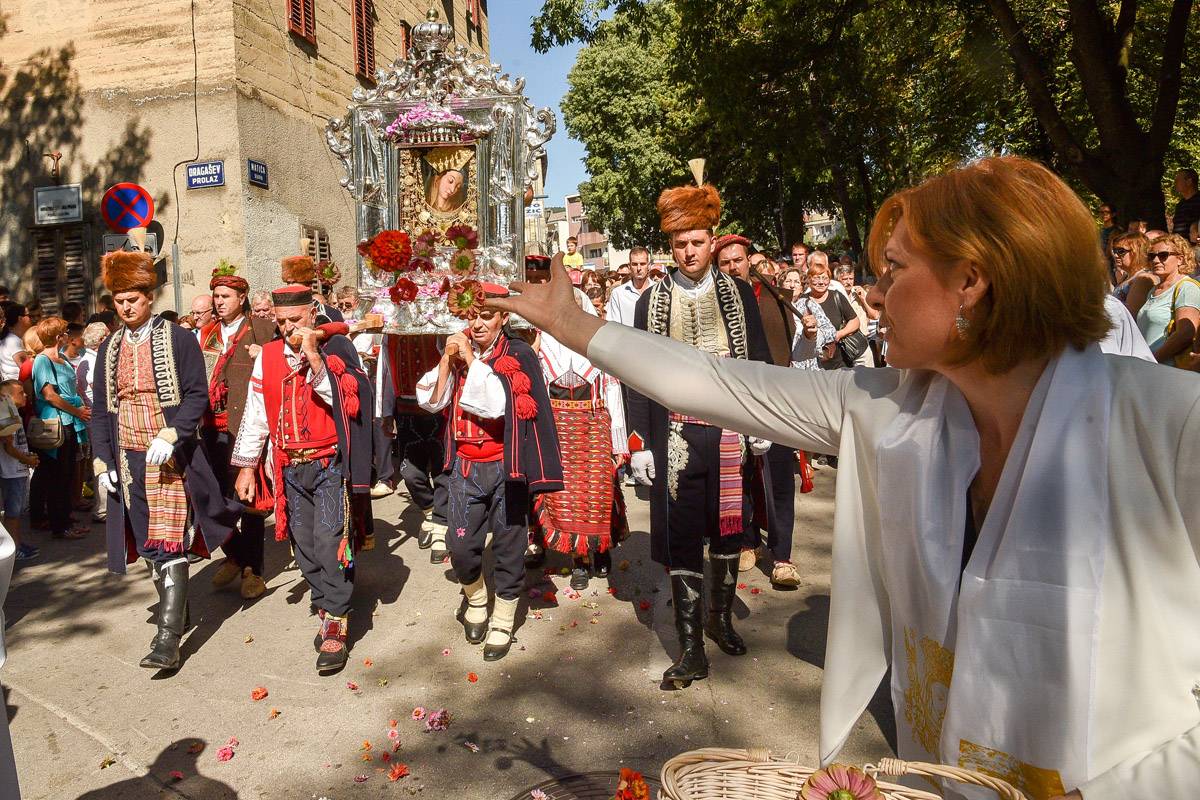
715, 773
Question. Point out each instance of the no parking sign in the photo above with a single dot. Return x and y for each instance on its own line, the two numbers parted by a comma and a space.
125, 206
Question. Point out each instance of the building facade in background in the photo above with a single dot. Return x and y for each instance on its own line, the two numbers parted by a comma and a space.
123, 95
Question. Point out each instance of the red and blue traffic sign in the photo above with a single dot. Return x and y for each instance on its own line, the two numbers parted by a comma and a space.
125, 206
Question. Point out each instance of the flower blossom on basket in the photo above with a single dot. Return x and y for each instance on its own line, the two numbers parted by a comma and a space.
840, 782
405, 291
464, 237
388, 251
465, 298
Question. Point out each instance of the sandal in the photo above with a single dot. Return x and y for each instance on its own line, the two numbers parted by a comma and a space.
74, 533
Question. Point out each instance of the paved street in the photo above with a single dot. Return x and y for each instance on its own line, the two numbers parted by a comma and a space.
578, 693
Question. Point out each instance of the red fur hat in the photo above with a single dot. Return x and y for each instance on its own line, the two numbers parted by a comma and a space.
126, 271
298, 269
689, 208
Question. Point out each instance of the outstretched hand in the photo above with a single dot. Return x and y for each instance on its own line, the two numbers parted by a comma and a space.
551, 307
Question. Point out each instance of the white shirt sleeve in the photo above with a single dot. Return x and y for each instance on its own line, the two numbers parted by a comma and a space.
253, 433
425, 387
616, 410
321, 385
385, 391
483, 392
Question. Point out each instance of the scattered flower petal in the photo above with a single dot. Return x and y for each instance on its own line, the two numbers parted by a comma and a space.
366, 745
248, 639
418, 713
446, 651
474, 748
438, 720
392, 723
233, 742
537, 794
176, 775
368, 662
382, 682
107, 762
741, 586
756, 590
472, 677
393, 734
258, 693
644, 605
352, 686
385, 757
275, 712
225, 753
360, 778
368, 757
397, 772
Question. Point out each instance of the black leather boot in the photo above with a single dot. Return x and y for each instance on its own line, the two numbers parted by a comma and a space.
720, 605
579, 575
692, 664
172, 608
333, 652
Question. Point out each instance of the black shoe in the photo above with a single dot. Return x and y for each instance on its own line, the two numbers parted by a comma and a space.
579, 577
535, 556
424, 538
602, 564
720, 604
333, 653
475, 632
692, 664
439, 555
172, 609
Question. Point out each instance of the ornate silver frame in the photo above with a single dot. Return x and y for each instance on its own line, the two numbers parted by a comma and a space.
509, 136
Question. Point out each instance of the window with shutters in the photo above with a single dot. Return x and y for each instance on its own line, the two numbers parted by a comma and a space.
318, 242
302, 19
61, 270
364, 39
405, 34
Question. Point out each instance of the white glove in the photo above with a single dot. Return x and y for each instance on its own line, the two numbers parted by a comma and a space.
641, 464
159, 452
758, 446
107, 482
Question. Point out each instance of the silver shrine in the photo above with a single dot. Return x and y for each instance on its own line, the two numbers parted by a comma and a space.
443, 139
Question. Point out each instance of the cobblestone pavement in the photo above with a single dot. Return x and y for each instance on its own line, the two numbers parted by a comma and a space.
578, 693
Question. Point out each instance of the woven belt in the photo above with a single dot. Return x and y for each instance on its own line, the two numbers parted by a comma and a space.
304, 455
576, 405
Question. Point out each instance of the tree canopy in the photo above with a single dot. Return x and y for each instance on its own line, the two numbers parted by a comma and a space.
803, 105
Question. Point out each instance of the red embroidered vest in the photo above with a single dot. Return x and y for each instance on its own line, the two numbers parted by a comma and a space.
478, 439
301, 419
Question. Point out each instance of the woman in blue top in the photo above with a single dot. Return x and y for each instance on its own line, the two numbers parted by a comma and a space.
56, 396
1175, 298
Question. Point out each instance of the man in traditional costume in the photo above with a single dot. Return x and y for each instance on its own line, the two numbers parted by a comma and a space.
229, 344
501, 451
697, 472
587, 518
420, 438
303, 270
310, 397
149, 398
732, 256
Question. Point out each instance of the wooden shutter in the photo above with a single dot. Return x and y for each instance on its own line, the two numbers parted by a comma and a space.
318, 242
77, 283
302, 19
45, 269
405, 35
364, 38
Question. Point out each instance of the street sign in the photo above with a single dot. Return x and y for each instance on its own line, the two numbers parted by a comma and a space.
55, 205
534, 209
257, 172
205, 174
121, 241
125, 206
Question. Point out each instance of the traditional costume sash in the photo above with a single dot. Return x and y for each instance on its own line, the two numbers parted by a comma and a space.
729, 502
993, 667
218, 385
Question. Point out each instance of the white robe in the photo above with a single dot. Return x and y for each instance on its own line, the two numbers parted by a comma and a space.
1141, 726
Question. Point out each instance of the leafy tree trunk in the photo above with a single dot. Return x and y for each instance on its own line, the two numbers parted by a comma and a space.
1126, 168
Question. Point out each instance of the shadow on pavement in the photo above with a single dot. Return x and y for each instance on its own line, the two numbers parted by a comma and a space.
180, 758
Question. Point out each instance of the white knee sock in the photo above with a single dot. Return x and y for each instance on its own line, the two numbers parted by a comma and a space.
477, 596
503, 616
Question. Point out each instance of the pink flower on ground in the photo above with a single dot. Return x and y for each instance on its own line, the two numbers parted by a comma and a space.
225, 753
839, 782
176, 775
438, 720
393, 734
418, 713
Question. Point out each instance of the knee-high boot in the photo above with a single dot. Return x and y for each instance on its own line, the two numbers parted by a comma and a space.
692, 664
172, 609
720, 605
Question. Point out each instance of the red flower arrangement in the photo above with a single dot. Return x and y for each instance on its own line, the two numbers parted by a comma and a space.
464, 237
405, 291
632, 786
389, 251
465, 298
426, 244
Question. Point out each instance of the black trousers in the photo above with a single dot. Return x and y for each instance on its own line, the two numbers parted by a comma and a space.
384, 448
316, 507
137, 512
693, 516
50, 488
245, 546
781, 464
479, 505
419, 441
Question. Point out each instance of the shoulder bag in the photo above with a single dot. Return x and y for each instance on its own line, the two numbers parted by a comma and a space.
853, 346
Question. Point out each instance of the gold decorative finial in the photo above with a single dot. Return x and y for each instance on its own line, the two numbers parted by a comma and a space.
697, 167
431, 14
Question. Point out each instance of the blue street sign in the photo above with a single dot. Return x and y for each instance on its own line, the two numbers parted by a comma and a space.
257, 172
205, 174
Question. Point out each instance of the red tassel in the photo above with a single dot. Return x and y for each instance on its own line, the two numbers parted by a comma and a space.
526, 407
350, 399
506, 365
335, 365
520, 383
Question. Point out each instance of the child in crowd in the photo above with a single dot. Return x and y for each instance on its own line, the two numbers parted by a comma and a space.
15, 463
